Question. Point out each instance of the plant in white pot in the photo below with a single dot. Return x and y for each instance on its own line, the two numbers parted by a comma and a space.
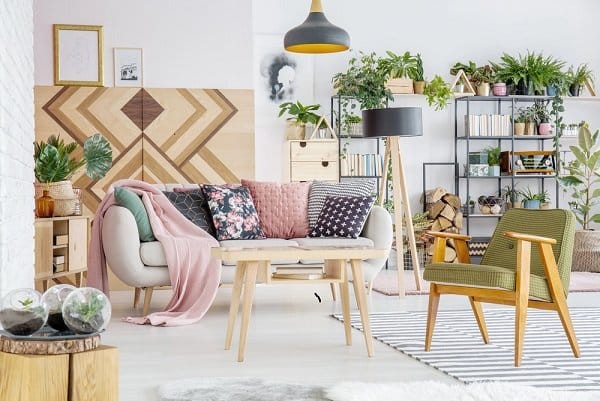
300, 116
55, 164
582, 178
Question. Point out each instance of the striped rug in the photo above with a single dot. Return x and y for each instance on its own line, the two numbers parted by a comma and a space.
458, 349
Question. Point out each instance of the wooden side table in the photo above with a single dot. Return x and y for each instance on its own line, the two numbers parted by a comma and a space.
83, 376
65, 238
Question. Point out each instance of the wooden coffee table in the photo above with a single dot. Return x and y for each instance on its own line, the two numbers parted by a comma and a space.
254, 263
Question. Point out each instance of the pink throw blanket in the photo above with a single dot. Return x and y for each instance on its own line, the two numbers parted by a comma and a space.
195, 276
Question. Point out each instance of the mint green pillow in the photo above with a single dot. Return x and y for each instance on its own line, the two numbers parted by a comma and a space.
129, 200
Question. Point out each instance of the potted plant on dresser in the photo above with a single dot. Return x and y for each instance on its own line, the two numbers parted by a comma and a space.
300, 116
582, 179
54, 165
399, 69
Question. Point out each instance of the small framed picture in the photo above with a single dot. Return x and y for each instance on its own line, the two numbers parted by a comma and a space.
128, 66
78, 55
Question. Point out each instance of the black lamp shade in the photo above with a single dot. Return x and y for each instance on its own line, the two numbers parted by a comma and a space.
316, 35
396, 121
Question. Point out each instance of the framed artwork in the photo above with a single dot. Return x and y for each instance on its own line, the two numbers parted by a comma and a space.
128, 66
78, 55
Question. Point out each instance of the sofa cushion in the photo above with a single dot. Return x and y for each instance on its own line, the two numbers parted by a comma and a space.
233, 212
131, 201
319, 191
282, 208
263, 243
193, 205
342, 216
153, 254
331, 241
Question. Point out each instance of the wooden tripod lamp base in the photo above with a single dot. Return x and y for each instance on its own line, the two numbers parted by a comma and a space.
393, 123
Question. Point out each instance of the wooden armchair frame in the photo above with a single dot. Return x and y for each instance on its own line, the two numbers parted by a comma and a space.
518, 298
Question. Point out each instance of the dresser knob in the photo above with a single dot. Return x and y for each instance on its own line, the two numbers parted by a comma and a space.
302, 144
325, 163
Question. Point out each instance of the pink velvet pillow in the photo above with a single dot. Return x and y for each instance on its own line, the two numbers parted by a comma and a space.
282, 208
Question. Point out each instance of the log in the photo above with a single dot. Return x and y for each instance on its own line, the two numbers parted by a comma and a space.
452, 200
434, 195
43, 347
458, 220
436, 226
448, 212
450, 255
444, 223
436, 209
452, 230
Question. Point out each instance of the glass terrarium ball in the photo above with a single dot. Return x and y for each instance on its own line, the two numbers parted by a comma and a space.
86, 310
54, 298
22, 312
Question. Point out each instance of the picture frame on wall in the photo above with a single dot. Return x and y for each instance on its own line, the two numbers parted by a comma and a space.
78, 55
128, 66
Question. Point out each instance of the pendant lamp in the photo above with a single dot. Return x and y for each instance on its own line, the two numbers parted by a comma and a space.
316, 34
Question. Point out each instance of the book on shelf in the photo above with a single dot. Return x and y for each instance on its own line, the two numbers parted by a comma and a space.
362, 164
487, 125
294, 269
299, 276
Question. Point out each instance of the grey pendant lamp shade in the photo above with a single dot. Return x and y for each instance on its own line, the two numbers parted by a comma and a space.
395, 121
316, 34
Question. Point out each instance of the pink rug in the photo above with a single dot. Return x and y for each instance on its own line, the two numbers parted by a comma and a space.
386, 283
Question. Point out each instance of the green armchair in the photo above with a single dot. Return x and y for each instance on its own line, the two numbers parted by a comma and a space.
510, 273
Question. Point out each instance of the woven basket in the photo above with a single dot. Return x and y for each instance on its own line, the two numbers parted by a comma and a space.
63, 195
586, 251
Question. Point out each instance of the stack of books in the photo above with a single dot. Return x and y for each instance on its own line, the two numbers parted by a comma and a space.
487, 125
295, 272
357, 164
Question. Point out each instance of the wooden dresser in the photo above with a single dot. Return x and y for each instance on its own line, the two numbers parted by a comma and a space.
313, 159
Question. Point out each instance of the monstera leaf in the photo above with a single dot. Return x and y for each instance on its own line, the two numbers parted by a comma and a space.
51, 165
98, 156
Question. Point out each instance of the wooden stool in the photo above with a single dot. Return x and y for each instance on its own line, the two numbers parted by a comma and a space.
90, 376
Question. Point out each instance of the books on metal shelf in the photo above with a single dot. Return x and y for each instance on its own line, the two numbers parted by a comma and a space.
360, 164
487, 125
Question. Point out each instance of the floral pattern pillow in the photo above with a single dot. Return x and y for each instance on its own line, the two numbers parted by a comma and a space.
233, 212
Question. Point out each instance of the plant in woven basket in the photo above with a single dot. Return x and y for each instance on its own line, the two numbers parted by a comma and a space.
54, 159
583, 177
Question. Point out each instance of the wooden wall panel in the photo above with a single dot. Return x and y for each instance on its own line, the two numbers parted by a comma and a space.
157, 134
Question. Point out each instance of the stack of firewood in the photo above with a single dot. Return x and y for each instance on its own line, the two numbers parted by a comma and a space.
444, 209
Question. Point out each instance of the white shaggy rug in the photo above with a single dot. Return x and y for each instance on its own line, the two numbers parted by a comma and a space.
253, 389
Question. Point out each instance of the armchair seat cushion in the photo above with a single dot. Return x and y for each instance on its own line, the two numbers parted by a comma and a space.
483, 276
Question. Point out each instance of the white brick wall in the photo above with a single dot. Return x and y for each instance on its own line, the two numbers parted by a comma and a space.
16, 144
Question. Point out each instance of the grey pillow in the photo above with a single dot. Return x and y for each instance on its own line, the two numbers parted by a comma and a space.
193, 205
320, 190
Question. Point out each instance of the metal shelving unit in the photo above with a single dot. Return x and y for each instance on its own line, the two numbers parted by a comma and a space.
504, 142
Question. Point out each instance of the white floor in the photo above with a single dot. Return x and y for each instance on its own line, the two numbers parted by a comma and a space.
292, 337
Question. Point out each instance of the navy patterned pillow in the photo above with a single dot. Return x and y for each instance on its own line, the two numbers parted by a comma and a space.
342, 216
233, 212
193, 205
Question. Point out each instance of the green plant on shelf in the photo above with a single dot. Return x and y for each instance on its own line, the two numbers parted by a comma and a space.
493, 155
530, 195
579, 76
484, 75
418, 73
438, 93
539, 112
299, 113
469, 68
398, 66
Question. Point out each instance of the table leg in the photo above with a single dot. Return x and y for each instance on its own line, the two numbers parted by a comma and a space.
361, 299
234, 305
345, 296
249, 284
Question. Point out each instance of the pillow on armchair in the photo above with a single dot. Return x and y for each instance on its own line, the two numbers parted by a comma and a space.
233, 212
282, 208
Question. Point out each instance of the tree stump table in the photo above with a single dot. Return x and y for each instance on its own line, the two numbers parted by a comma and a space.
58, 370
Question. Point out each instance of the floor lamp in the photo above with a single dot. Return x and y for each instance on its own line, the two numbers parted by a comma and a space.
393, 123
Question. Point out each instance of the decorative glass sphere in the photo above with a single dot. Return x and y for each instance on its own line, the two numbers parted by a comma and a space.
54, 298
86, 310
22, 312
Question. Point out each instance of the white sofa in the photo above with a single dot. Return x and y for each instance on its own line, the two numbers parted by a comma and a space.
142, 265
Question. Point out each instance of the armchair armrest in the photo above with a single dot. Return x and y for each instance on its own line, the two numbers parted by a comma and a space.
530, 238
448, 235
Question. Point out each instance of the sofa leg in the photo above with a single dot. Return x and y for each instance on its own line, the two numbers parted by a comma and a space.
147, 299
333, 291
136, 297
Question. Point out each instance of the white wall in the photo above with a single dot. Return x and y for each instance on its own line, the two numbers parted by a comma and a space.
187, 43
443, 32
16, 149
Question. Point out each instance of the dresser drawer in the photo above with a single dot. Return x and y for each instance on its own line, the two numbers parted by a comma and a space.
313, 150
316, 170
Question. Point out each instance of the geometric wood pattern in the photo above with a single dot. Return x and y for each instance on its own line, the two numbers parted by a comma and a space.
157, 134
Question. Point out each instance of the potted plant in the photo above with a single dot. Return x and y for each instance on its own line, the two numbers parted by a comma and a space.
541, 71
399, 69
483, 77
578, 78
352, 125
512, 197
531, 200
364, 80
512, 70
529, 116
541, 116
519, 123
86, 310
300, 116
417, 75
493, 155
469, 69
22, 312
544, 197
582, 178
469, 207
438, 93
54, 165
